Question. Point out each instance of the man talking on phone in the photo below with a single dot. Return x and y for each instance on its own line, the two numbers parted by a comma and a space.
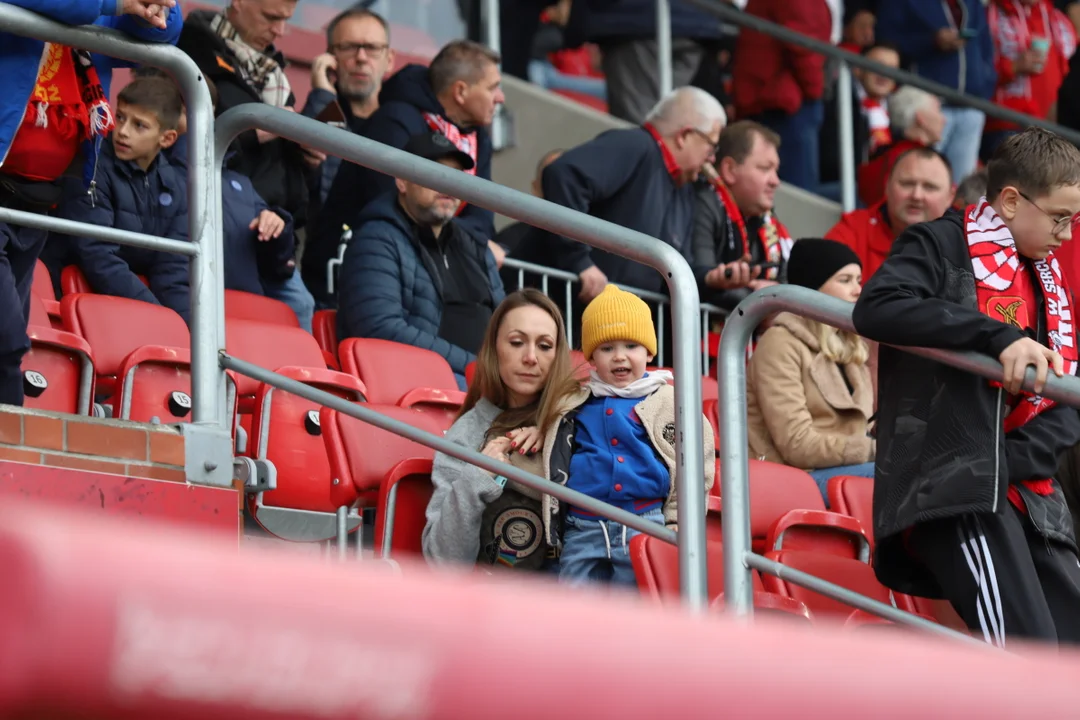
739, 245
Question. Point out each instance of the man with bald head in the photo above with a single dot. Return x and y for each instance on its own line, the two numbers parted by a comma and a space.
919, 189
640, 178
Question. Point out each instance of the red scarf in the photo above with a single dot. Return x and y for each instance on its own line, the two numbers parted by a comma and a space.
877, 119
1006, 292
775, 239
670, 164
465, 142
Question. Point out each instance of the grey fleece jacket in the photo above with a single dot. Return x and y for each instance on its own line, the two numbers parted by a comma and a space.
462, 493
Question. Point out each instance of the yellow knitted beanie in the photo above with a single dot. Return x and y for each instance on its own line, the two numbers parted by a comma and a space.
616, 314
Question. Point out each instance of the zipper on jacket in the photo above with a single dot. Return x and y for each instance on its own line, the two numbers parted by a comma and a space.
998, 425
962, 80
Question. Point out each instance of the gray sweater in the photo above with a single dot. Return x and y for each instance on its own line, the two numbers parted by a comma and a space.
462, 493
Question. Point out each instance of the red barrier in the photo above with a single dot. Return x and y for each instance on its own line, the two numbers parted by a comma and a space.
102, 619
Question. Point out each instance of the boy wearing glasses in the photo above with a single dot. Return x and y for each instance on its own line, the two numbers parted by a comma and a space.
966, 506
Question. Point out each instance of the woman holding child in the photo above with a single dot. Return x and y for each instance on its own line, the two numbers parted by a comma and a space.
611, 438
809, 391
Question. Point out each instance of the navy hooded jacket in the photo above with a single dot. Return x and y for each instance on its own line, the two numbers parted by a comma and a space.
246, 259
404, 99
389, 286
615, 20
153, 202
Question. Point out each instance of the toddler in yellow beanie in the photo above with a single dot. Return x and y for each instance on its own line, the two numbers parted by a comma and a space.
624, 440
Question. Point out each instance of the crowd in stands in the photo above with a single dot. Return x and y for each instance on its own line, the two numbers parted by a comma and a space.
698, 168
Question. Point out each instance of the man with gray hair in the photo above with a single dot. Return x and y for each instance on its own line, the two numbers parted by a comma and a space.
917, 122
455, 96
640, 178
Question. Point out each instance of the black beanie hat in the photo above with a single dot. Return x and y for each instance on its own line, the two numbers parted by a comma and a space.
814, 260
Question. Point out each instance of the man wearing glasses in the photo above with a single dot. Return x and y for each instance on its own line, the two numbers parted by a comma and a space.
345, 85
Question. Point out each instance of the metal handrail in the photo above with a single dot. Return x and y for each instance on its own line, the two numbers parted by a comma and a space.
563, 221
208, 411
734, 439
738, 17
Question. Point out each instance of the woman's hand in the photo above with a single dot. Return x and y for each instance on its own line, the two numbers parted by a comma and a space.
497, 449
526, 440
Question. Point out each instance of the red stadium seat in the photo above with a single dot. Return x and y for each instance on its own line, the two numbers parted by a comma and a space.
285, 429
845, 572
141, 353
58, 370
72, 281
363, 458
774, 491
772, 605
324, 327
656, 568
854, 496
397, 374
711, 410
862, 620
43, 288
819, 531
249, 306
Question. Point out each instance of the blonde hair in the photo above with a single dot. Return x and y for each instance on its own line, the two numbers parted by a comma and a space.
840, 346
488, 383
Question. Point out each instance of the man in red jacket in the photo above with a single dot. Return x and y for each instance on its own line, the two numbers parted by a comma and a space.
780, 85
920, 188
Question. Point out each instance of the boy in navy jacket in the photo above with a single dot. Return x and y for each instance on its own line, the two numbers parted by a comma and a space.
136, 190
259, 240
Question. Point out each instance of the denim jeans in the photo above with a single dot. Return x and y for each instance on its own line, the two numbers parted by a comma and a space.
961, 138
547, 76
822, 476
599, 550
799, 144
295, 294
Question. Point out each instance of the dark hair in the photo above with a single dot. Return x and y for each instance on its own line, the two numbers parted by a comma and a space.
1035, 161
926, 153
357, 11
460, 60
157, 95
146, 71
737, 140
487, 381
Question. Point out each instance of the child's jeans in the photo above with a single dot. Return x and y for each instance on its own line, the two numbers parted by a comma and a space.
599, 550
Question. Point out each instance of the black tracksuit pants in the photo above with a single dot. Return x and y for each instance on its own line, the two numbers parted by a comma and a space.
1003, 578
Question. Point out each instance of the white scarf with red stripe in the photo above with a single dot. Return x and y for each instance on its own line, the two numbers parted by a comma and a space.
996, 265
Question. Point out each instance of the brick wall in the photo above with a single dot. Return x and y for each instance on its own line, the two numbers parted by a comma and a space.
81, 443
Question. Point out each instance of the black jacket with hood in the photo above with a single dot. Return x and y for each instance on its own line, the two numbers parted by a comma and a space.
276, 167
942, 449
403, 101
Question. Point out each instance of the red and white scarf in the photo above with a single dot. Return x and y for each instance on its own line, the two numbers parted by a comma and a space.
1011, 32
774, 237
1004, 293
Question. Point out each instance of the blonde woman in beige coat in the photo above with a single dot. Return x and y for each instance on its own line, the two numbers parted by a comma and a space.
809, 391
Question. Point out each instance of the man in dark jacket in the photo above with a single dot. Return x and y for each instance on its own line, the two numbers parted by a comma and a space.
455, 96
625, 31
640, 178
950, 43
412, 275
345, 85
966, 506
235, 49
136, 190
739, 245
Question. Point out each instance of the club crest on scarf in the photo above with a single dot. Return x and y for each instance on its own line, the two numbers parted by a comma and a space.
1007, 294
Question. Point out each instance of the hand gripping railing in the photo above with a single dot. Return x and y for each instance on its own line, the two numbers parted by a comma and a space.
554, 218
734, 442
207, 435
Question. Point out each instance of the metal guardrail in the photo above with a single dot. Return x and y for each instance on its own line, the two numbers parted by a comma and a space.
659, 299
734, 441
554, 218
208, 433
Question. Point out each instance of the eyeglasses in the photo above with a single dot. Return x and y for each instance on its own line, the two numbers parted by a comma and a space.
704, 136
1060, 223
372, 50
